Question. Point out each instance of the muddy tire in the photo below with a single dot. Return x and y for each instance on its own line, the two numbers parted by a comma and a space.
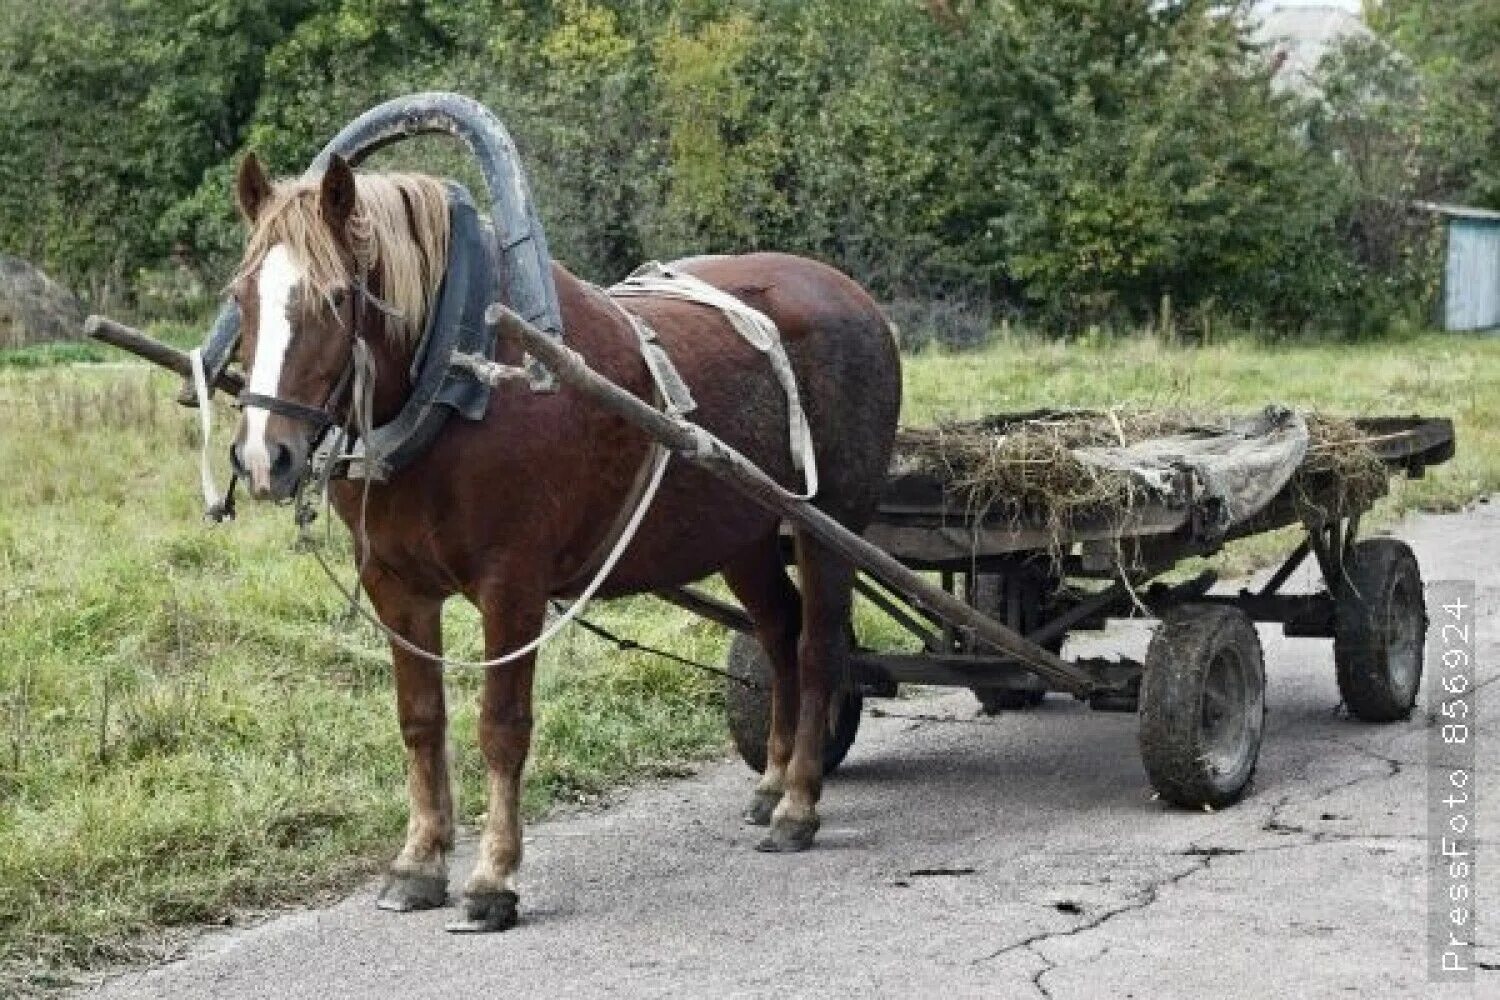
1380, 627
1203, 705
747, 707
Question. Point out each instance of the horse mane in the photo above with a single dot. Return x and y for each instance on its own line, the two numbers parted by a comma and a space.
398, 232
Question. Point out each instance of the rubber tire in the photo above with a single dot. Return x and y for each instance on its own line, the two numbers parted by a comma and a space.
1178, 659
747, 706
993, 701
1379, 574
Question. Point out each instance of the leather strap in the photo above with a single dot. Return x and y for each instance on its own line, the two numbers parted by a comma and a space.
319, 419
638, 487
667, 386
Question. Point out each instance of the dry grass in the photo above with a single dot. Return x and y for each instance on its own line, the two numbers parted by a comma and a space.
1027, 470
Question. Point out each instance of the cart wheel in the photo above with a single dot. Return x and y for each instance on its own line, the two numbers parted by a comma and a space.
747, 704
989, 596
1203, 705
1380, 626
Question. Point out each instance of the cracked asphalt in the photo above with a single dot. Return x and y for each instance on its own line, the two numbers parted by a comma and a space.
1016, 856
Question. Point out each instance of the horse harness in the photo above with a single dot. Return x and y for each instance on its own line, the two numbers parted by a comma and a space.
452, 374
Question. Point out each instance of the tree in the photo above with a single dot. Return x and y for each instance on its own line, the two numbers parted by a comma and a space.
110, 114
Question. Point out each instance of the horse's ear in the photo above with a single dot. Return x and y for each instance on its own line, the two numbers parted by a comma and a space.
336, 196
251, 187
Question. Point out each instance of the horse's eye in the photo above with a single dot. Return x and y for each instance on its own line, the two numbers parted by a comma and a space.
339, 295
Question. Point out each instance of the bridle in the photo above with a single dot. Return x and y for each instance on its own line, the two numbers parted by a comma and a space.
321, 418
358, 374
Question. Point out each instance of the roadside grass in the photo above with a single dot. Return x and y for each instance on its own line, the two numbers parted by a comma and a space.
190, 728
63, 352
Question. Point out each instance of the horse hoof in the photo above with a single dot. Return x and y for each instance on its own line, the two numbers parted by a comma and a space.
486, 913
762, 805
789, 836
405, 893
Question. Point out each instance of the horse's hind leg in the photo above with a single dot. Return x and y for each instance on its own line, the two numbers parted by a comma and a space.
822, 657
759, 581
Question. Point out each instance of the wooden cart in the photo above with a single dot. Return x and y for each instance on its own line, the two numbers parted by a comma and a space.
1200, 690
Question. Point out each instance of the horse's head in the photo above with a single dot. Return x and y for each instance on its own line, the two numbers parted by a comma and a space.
330, 260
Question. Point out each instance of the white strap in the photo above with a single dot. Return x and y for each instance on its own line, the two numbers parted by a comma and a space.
756, 328
211, 498
576, 608
559, 623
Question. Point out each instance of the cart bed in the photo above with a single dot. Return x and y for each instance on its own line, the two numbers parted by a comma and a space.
924, 522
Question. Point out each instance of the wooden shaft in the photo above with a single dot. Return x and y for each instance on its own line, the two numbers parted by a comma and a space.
715, 610
107, 331
727, 464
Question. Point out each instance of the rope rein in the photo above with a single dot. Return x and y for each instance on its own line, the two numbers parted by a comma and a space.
362, 419
558, 624
313, 493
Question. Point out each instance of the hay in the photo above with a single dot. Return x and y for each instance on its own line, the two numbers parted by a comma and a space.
1341, 473
1022, 469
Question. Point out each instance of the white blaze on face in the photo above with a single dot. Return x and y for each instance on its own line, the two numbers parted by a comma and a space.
279, 278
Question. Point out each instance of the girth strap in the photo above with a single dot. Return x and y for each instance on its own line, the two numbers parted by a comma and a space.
758, 329
667, 387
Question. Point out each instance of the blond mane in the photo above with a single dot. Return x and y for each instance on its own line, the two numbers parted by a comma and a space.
398, 232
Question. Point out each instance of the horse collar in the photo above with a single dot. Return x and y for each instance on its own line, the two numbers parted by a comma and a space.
454, 324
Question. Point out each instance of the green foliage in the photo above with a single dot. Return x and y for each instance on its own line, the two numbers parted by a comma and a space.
1368, 119
1080, 161
111, 112
1116, 157
1453, 49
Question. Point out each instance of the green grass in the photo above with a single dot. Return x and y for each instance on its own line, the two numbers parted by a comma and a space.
189, 727
64, 352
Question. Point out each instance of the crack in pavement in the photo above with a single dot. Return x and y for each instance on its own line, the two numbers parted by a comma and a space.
917, 717
1273, 823
1145, 897
1151, 893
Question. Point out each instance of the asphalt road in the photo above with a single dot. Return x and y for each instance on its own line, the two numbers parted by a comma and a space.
960, 856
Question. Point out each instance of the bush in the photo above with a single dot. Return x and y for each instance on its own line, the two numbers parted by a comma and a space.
1076, 160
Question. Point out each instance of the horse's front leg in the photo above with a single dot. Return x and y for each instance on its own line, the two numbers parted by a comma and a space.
490, 898
419, 876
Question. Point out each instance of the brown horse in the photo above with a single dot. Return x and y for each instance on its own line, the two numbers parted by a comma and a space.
509, 511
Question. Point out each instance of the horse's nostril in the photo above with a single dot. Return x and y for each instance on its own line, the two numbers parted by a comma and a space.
281, 461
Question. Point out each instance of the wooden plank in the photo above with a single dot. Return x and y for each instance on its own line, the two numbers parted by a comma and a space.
719, 459
934, 543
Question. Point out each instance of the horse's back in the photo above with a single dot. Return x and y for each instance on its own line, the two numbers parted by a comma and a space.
843, 351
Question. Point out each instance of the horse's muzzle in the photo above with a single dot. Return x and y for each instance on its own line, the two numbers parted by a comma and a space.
273, 475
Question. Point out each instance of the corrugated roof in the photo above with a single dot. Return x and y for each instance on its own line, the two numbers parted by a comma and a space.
1458, 211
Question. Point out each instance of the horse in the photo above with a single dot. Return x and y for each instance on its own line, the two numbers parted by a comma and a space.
508, 511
